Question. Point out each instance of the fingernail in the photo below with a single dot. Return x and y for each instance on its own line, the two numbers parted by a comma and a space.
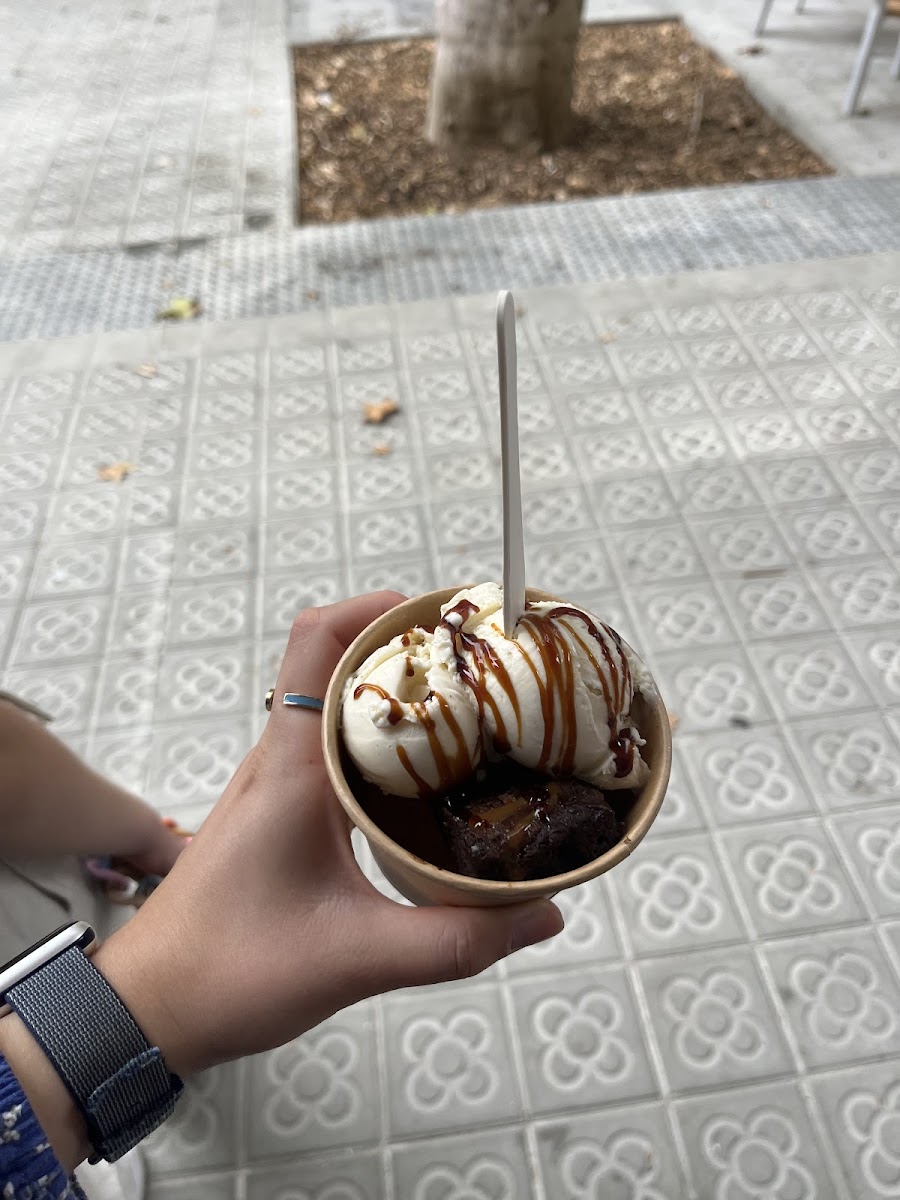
536, 924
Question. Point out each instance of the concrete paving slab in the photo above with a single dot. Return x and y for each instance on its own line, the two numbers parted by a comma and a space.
133, 124
322, 21
712, 462
802, 72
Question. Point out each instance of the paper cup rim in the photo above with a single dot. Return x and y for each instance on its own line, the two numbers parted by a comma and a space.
388, 626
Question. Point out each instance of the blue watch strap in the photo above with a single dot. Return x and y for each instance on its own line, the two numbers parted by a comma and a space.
116, 1078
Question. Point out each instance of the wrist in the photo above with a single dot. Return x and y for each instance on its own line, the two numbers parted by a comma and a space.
136, 972
48, 1096
91, 1046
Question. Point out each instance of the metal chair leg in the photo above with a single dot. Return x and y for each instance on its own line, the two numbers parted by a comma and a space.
895, 64
762, 18
861, 66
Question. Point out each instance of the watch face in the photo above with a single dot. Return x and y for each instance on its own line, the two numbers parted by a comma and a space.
76, 933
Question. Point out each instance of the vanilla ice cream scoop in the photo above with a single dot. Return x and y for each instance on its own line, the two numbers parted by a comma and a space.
423, 712
408, 720
557, 695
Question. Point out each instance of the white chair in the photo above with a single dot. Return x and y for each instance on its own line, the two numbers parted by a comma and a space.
877, 13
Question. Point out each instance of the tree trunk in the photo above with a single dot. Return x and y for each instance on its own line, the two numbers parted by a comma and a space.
502, 72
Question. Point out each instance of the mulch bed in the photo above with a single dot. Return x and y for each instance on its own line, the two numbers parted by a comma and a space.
653, 109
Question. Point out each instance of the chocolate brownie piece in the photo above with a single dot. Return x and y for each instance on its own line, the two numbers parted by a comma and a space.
516, 824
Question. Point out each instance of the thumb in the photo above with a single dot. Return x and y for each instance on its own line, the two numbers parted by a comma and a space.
433, 945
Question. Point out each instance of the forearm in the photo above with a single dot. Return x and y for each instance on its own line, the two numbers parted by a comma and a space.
51, 803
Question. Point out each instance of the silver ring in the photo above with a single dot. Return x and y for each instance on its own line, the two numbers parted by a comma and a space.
295, 700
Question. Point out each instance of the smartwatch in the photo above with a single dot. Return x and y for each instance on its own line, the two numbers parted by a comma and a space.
118, 1081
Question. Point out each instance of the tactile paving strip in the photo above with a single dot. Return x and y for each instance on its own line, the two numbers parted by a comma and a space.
418, 258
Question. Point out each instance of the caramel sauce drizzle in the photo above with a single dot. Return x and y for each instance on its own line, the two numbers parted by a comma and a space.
555, 683
421, 785
493, 816
621, 743
558, 682
452, 767
485, 662
395, 716
525, 812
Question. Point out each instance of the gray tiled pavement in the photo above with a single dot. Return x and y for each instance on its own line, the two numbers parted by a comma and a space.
142, 122
801, 71
711, 461
432, 257
167, 123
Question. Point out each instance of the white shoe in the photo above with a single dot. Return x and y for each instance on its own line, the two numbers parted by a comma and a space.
122, 1180
132, 1174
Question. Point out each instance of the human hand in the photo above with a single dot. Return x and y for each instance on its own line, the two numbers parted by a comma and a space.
266, 925
156, 847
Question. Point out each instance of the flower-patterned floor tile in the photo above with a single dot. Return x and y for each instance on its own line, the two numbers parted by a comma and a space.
358, 1177
204, 1130
840, 994
451, 1064
629, 1150
791, 877
589, 935
494, 1164
318, 1091
870, 839
754, 1144
713, 1022
203, 1187
581, 1043
672, 894
861, 1109
747, 776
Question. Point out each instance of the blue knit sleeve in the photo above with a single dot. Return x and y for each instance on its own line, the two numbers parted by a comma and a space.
28, 1167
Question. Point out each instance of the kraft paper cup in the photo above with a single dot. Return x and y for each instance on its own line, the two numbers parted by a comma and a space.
420, 880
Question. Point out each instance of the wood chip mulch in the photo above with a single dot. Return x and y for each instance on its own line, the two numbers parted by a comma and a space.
653, 109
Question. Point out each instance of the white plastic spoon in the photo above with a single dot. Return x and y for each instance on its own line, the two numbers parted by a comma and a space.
513, 538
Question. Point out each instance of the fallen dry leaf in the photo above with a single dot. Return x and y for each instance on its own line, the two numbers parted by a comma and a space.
311, 294
674, 720
114, 472
752, 50
380, 449
181, 308
147, 370
607, 337
378, 411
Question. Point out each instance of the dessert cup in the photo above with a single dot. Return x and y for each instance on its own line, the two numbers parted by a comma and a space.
414, 867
